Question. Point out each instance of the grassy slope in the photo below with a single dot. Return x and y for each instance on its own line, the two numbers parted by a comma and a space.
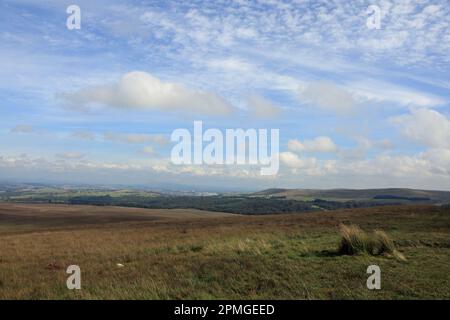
354, 194
190, 254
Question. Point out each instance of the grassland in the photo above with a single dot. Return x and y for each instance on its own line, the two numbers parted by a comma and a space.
191, 254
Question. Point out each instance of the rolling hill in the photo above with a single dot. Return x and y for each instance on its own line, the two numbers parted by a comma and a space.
397, 194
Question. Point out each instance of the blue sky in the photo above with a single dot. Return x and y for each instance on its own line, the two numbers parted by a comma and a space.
356, 107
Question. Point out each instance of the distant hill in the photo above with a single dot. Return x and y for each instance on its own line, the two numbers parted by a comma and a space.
395, 194
269, 192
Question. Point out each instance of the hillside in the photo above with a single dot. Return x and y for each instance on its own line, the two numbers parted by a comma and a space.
358, 194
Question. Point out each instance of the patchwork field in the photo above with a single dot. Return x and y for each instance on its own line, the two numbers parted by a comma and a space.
131, 253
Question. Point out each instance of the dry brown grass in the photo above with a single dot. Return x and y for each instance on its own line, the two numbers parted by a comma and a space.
190, 254
356, 241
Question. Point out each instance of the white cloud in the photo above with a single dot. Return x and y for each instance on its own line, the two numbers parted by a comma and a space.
329, 97
383, 144
425, 126
83, 135
261, 107
306, 166
433, 162
149, 151
70, 155
22, 128
440, 160
230, 64
136, 138
141, 90
383, 91
318, 144
292, 160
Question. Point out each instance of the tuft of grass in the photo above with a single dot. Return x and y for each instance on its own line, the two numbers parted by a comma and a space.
382, 243
356, 241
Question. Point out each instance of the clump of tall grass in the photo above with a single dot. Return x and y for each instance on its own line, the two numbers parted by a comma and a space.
356, 241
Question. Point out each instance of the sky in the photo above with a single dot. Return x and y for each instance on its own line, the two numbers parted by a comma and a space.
356, 107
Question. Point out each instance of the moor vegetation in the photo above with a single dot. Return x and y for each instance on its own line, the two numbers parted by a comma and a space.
139, 253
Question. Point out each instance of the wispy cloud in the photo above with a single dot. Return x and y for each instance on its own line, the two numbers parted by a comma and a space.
22, 128
136, 138
84, 135
262, 108
70, 155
